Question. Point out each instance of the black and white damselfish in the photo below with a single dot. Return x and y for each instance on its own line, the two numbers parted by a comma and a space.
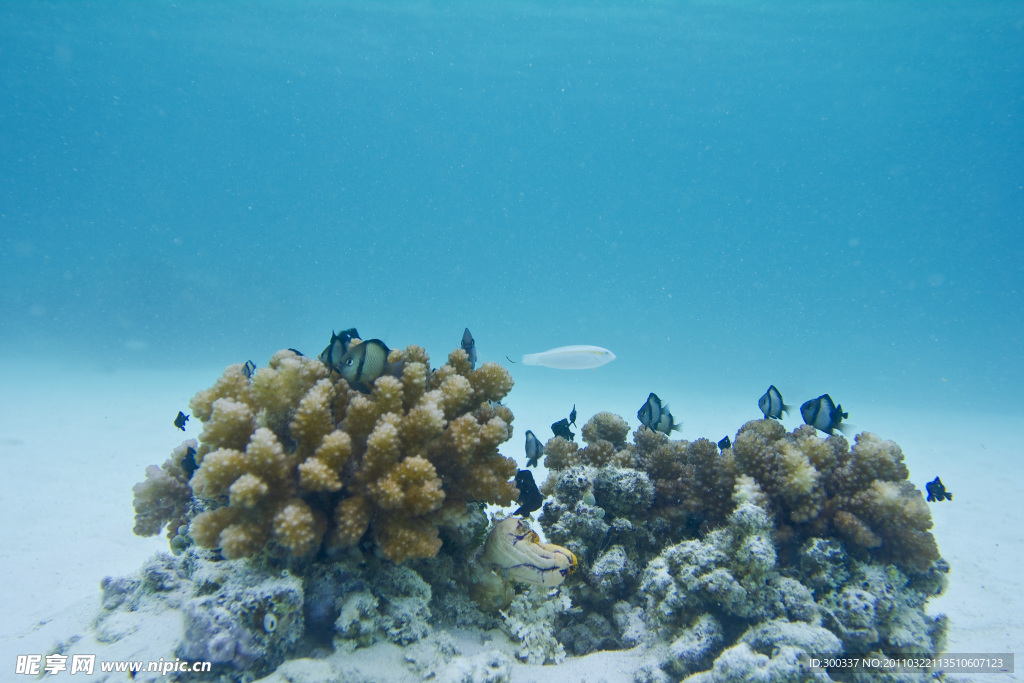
469, 346
534, 449
655, 415
338, 347
771, 404
822, 413
363, 363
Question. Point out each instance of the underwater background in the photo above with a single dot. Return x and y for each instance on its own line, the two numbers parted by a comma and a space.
825, 196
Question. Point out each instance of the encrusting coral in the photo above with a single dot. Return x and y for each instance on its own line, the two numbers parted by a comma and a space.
296, 456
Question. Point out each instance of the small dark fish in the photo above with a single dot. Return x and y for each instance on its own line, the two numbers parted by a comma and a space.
188, 462
572, 415
771, 404
469, 346
509, 359
248, 369
296, 351
180, 421
530, 498
822, 413
338, 347
725, 444
937, 491
650, 411
656, 415
561, 428
534, 449
364, 363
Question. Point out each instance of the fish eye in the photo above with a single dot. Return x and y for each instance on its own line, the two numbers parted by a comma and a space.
350, 361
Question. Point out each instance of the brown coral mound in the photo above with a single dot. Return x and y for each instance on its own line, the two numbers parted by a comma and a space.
298, 457
814, 486
693, 484
822, 487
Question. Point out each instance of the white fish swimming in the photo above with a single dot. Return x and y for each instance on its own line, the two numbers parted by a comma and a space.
571, 357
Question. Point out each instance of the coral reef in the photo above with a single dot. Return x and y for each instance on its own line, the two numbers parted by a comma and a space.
530, 621
238, 617
729, 574
694, 548
821, 487
362, 518
248, 617
297, 459
814, 487
728, 601
393, 605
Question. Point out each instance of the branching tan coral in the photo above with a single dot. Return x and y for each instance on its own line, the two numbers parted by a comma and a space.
316, 475
491, 382
412, 485
459, 362
163, 498
220, 469
278, 388
247, 491
314, 418
400, 540
456, 393
410, 354
414, 383
561, 454
233, 384
298, 527
605, 426
206, 528
351, 520
242, 539
388, 394
230, 425
298, 458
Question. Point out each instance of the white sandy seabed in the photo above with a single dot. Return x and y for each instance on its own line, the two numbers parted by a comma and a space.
73, 444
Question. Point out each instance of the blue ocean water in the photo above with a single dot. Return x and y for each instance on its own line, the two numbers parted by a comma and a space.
826, 196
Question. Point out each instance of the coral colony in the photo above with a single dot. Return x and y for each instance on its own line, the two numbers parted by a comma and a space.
310, 516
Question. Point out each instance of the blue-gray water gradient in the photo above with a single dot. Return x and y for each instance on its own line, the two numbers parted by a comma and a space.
825, 196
